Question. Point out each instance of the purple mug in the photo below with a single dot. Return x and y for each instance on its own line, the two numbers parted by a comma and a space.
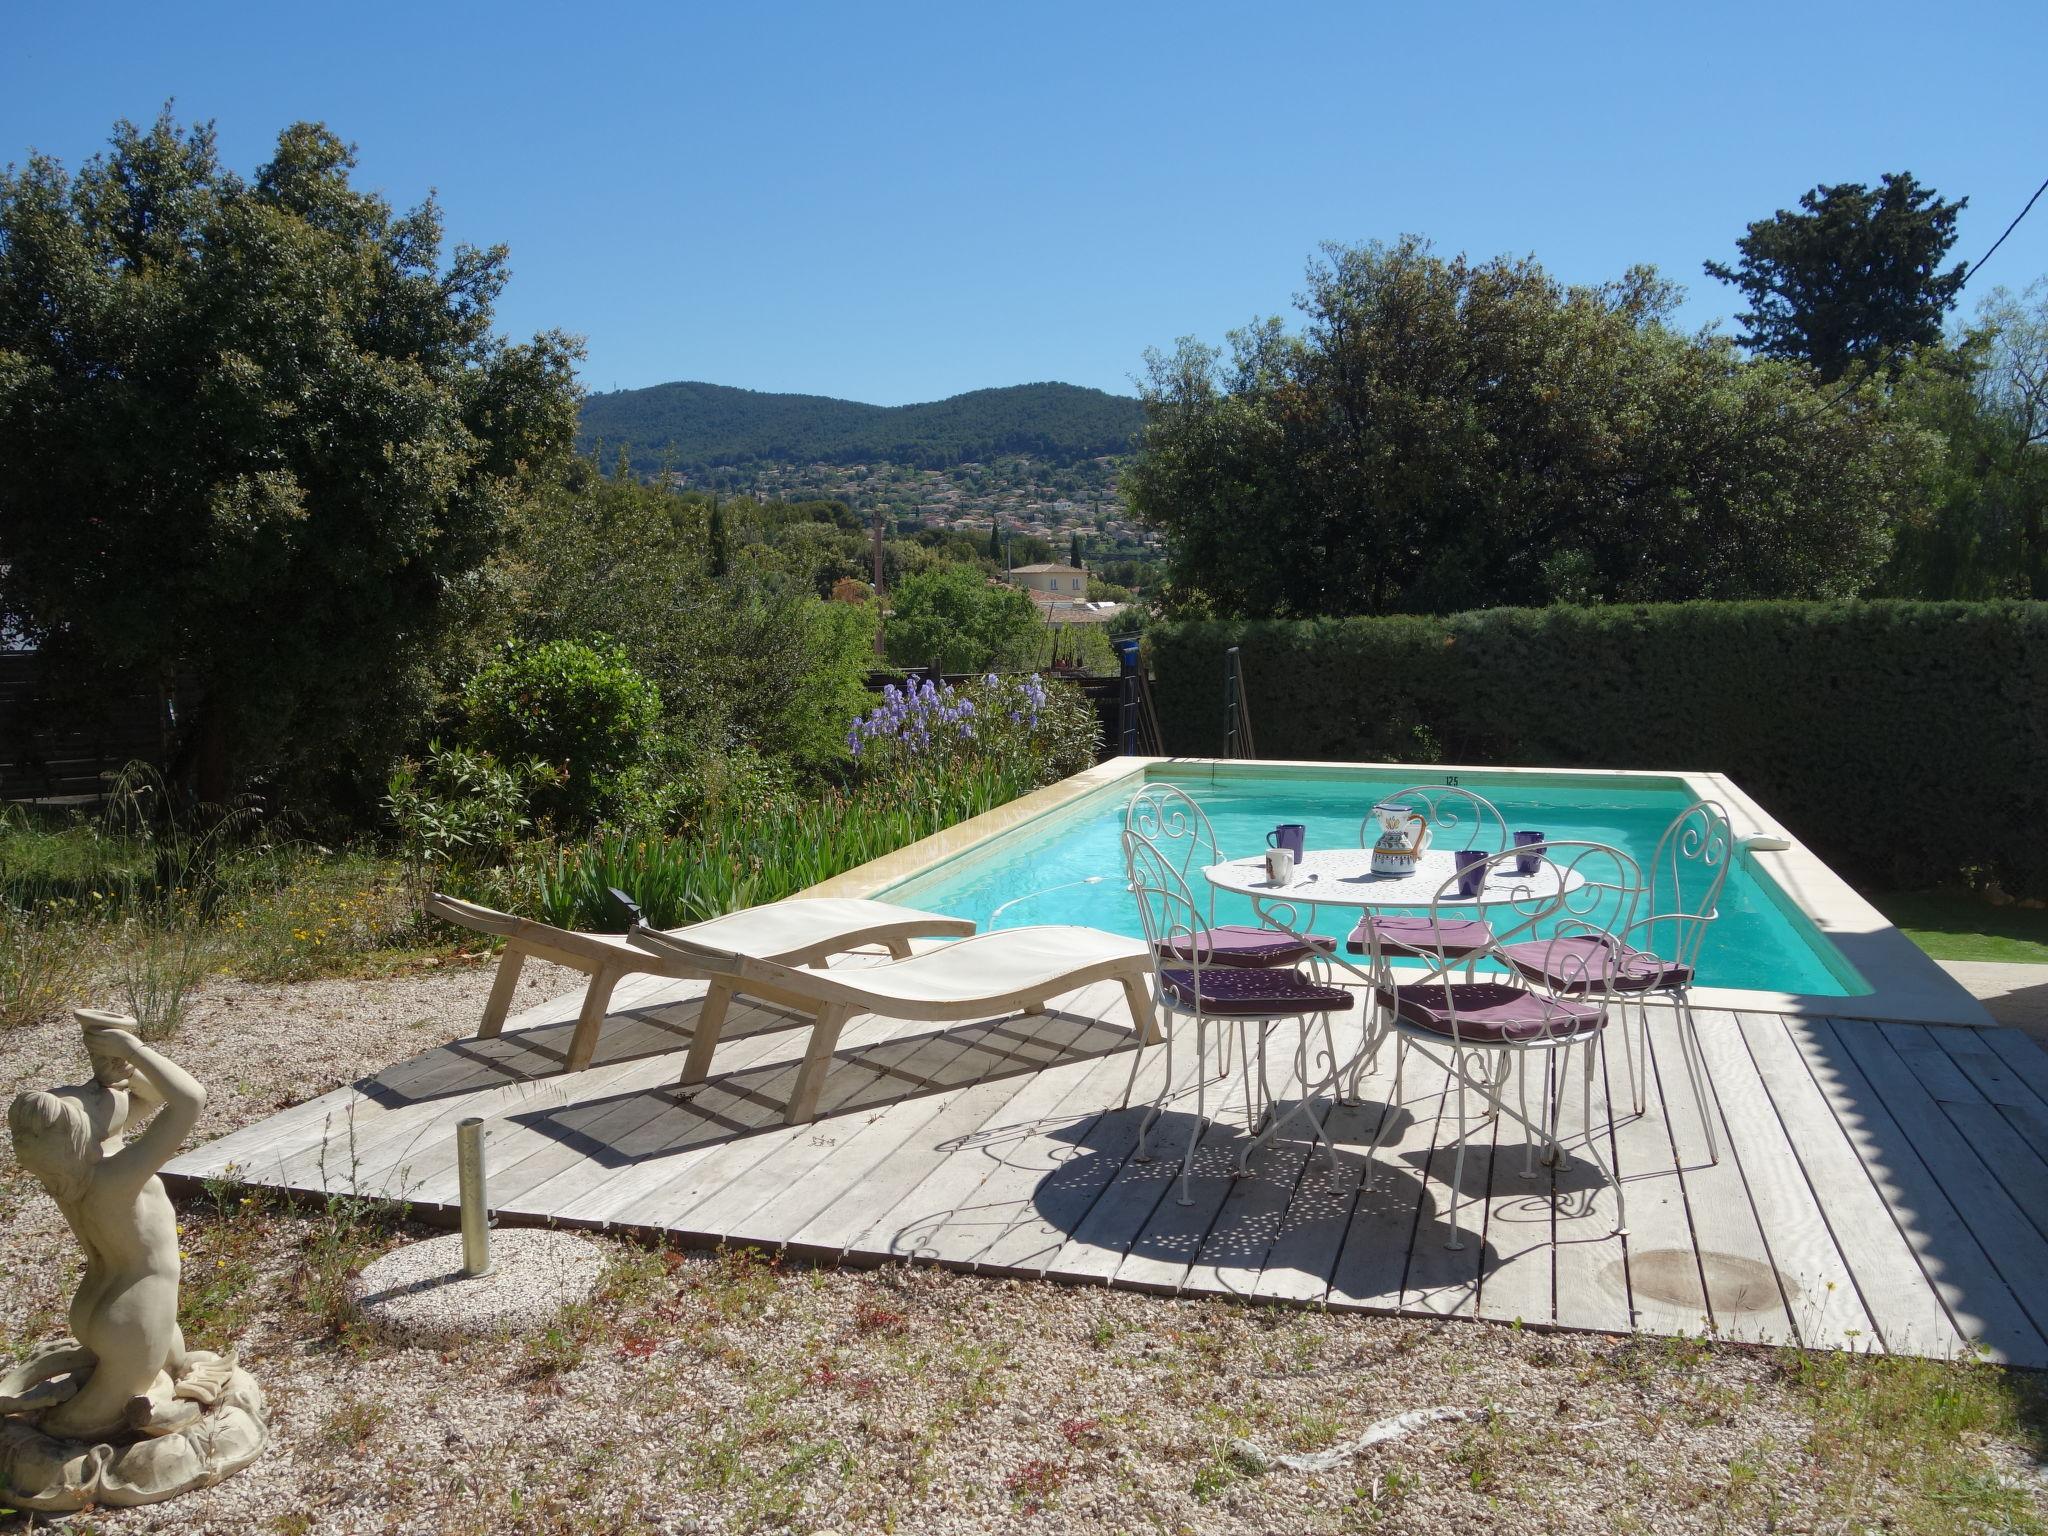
1528, 863
1291, 835
1471, 870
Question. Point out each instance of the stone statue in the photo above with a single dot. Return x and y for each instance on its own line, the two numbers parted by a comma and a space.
121, 1412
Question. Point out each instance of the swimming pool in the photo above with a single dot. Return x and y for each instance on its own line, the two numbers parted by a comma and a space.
1067, 866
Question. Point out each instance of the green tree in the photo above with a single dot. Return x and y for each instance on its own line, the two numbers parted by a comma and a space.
954, 618
256, 432
1444, 435
1980, 530
1853, 277
741, 664
718, 550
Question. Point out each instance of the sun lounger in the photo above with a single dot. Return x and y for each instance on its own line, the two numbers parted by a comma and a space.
975, 978
801, 931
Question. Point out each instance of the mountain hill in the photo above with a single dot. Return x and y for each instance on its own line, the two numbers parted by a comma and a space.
694, 426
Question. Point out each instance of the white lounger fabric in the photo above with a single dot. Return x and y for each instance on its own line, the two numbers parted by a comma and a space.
975, 978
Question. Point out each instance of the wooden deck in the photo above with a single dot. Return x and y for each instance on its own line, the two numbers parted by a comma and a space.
1881, 1187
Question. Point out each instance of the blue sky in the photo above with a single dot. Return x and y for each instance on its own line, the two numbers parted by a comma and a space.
895, 203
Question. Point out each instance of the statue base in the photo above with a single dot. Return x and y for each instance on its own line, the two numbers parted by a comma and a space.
42, 1472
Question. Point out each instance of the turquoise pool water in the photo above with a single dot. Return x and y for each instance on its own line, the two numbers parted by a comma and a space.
1067, 867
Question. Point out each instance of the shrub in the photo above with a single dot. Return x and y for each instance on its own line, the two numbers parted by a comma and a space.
458, 807
582, 709
1902, 741
951, 617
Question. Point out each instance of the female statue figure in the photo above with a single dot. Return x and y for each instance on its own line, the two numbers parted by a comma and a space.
124, 1375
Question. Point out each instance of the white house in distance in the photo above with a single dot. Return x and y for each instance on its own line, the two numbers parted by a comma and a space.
1068, 583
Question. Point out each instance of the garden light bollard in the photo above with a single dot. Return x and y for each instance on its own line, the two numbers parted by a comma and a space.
476, 1226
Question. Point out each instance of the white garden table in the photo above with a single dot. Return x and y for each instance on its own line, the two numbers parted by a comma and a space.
1343, 877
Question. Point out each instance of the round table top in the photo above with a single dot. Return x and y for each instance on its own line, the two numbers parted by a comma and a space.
1343, 877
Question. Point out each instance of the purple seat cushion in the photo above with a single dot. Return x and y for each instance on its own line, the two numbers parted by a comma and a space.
1592, 963
1239, 944
1239, 989
1422, 936
1490, 1010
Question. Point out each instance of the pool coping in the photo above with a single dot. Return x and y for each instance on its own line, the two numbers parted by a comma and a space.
1906, 985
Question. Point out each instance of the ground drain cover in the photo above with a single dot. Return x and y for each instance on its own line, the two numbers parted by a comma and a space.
1735, 1284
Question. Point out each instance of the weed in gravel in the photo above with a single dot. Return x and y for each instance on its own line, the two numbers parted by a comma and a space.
871, 1316
1033, 1485
348, 1232
352, 1423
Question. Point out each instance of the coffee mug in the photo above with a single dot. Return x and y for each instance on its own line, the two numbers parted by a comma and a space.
1528, 863
1291, 835
1280, 865
1471, 864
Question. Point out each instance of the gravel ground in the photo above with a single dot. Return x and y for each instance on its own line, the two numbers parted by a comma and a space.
729, 1393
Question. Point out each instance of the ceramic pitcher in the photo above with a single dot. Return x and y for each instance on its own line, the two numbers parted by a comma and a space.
1403, 839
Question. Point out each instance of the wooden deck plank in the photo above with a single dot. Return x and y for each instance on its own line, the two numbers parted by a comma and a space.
1516, 1283
1590, 1265
1807, 1272
631, 1119
1393, 1210
1442, 1281
1903, 1309
1096, 1248
993, 1145
1979, 1302
970, 1200
1304, 1252
883, 1186
2015, 1247
735, 1115
1170, 1242
2022, 1053
376, 1138
756, 1203
1079, 1167
1254, 1210
1724, 1217
2001, 1084
1665, 1293
845, 1178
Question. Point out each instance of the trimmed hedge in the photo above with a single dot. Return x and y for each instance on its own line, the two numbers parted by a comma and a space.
1904, 742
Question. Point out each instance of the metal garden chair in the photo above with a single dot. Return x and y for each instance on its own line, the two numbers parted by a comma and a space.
1196, 987
1657, 954
1481, 1031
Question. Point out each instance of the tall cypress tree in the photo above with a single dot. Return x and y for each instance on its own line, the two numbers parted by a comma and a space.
1853, 276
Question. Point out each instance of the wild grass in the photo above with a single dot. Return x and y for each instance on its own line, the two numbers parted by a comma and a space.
1919, 1427
743, 856
155, 965
41, 966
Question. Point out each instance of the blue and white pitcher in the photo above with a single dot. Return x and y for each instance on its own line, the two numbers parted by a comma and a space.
1403, 839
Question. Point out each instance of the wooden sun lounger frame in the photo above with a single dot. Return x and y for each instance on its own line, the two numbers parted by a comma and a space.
607, 959
830, 998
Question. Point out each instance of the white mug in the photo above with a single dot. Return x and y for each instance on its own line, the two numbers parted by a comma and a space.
1280, 865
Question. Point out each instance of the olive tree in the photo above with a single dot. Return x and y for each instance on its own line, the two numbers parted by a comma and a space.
254, 432
1443, 435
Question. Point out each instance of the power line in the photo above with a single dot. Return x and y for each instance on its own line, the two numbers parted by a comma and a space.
1968, 273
